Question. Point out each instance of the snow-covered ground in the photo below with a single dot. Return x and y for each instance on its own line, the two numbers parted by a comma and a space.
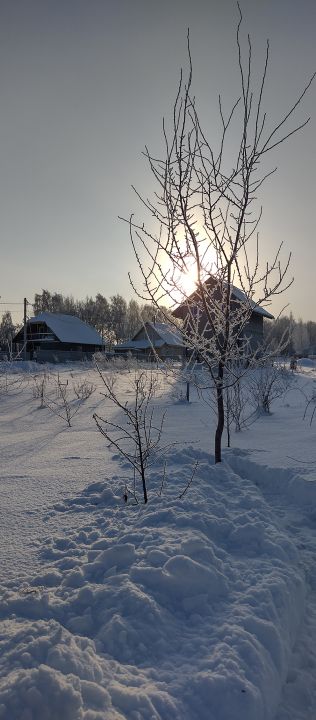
199, 605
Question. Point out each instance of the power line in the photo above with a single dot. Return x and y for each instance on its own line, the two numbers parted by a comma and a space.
12, 311
13, 307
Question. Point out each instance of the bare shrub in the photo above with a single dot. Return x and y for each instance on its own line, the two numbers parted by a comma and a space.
266, 384
190, 481
101, 360
64, 406
84, 389
10, 383
137, 437
40, 383
310, 406
235, 403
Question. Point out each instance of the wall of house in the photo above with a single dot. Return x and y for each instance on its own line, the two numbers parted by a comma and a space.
54, 352
254, 331
64, 352
171, 352
43, 355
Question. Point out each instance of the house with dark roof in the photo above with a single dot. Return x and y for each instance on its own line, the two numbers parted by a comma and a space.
55, 337
192, 308
155, 340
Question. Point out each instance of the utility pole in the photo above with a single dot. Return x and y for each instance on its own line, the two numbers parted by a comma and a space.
25, 303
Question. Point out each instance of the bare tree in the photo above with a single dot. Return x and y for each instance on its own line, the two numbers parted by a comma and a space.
206, 214
137, 436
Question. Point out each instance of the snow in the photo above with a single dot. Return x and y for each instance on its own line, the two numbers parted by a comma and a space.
199, 605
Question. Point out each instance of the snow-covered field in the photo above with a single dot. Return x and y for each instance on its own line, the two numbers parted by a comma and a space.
199, 605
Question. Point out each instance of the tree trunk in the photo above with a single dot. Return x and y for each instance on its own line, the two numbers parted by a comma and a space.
220, 414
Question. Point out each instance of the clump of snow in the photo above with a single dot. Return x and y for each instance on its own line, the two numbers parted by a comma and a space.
307, 363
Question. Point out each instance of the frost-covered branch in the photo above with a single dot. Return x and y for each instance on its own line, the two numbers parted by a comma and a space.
203, 219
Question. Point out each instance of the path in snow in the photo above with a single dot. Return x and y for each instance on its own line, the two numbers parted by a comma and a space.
286, 441
298, 519
299, 692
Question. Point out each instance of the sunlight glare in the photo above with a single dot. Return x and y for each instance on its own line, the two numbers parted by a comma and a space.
187, 281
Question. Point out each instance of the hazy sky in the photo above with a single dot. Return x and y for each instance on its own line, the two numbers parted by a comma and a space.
84, 85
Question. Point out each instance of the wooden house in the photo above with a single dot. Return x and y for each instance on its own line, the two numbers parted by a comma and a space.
152, 340
55, 337
251, 332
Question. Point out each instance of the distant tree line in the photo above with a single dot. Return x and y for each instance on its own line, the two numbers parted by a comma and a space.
301, 336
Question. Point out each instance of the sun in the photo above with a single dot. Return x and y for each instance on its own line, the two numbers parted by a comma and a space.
182, 278
179, 281
187, 282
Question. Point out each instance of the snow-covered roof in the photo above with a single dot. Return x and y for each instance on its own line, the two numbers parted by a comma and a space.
68, 328
169, 334
240, 295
